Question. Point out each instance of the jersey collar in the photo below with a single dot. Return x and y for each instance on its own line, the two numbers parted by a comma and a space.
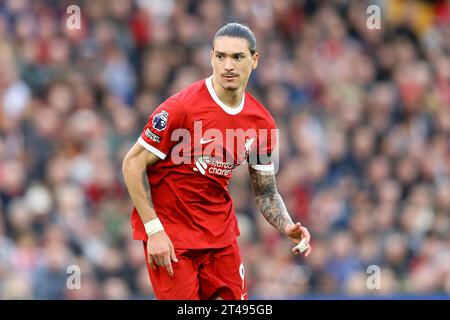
227, 109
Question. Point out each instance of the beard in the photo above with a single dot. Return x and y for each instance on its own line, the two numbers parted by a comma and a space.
230, 86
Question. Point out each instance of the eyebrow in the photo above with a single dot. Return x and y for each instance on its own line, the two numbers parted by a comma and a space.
233, 54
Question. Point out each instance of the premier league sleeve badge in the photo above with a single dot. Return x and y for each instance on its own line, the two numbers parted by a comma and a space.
159, 120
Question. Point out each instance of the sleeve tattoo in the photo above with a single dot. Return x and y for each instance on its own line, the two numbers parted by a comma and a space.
268, 200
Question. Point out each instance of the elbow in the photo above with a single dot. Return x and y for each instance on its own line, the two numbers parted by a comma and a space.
126, 166
132, 166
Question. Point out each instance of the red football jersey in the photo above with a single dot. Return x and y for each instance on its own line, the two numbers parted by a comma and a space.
200, 142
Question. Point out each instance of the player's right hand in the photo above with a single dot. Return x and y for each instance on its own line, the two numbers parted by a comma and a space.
161, 251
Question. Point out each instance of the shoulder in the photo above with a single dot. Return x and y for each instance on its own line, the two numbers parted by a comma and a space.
181, 101
259, 110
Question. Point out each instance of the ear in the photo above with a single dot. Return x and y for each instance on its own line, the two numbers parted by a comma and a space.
255, 59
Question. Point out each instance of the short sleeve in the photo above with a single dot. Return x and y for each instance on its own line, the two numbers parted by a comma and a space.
267, 142
156, 135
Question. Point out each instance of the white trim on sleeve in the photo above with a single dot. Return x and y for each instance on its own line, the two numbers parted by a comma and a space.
150, 148
264, 167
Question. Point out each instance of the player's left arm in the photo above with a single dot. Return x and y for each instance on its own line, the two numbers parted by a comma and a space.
272, 207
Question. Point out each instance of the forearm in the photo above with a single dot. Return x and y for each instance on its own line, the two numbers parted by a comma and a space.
139, 190
268, 200
272, 207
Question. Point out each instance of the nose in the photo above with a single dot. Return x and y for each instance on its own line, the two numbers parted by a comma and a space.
229, 65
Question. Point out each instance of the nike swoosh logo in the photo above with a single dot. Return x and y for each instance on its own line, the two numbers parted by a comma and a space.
202, 141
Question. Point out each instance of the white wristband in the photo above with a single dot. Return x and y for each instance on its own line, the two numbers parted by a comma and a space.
153, 226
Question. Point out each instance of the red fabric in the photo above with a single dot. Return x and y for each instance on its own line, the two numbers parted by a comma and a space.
201, 275
196, 208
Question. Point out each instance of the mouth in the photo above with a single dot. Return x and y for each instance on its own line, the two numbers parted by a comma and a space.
229, 77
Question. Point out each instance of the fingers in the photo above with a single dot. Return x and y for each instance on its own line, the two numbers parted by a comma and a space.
163, 260
168, 264
305, 234
173, 257
161, 252
151, 262
159, 259
308, 251
296, 251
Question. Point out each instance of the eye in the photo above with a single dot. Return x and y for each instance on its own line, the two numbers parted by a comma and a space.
219, 56
239, 57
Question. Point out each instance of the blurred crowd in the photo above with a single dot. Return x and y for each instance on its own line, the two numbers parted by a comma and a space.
364, 119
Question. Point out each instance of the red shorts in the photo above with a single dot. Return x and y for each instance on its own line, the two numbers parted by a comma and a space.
201, 274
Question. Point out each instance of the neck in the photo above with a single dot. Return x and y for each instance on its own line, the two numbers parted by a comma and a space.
231, 98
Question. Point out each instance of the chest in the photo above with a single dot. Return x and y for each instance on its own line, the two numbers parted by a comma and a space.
223, 137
